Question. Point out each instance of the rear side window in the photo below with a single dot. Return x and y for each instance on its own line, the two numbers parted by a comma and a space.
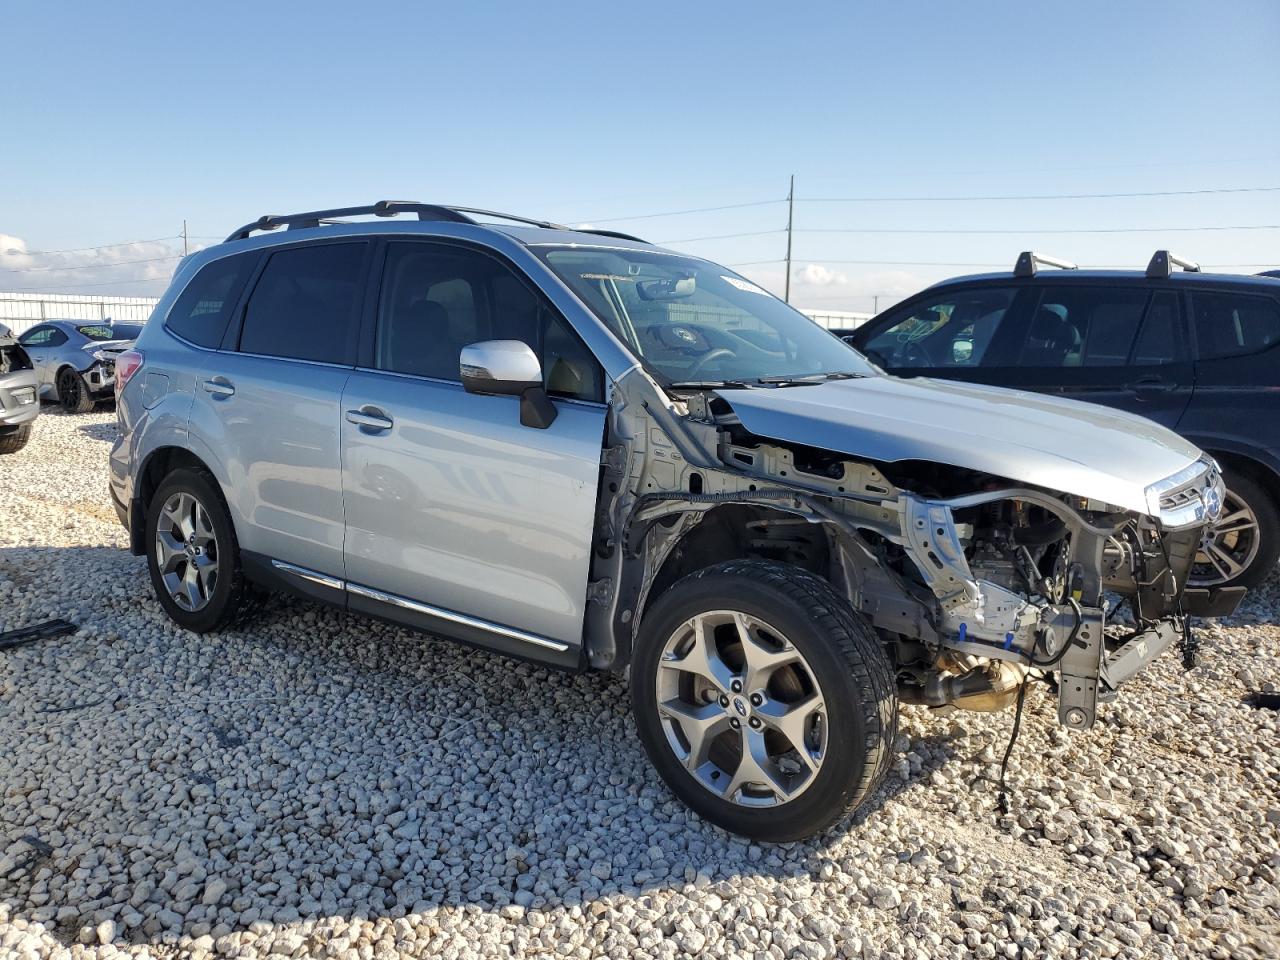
1160, 340
304, 306
201, 313
1075, 326
1232, 324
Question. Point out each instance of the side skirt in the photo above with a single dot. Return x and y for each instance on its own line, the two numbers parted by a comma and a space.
437, 621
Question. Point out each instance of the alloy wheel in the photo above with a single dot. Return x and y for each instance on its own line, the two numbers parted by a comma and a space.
69, 390
187, 551
1228, 547
741, 709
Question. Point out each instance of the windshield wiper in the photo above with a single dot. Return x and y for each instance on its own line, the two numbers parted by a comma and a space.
806, 379
711, 385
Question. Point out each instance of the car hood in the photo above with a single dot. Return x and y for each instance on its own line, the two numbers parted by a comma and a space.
1064, 445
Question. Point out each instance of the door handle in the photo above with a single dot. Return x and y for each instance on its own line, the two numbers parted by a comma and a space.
218, 386
370, 419
1151, 385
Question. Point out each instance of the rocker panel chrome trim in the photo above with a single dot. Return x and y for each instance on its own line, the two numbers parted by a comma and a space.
452, 617
312, 576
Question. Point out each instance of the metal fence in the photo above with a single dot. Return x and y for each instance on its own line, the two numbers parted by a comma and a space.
22, 311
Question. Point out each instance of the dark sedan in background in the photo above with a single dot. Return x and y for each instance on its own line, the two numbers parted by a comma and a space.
1193, 351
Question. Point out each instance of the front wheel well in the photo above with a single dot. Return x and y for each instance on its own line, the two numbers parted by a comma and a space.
740, 531
1262, 474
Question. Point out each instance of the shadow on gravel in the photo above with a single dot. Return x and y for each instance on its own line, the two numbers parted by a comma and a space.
106, 432
314, 763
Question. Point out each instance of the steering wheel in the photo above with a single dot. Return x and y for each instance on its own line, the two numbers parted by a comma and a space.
915, 355
714, 354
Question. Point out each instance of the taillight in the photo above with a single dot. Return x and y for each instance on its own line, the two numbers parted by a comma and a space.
127, 364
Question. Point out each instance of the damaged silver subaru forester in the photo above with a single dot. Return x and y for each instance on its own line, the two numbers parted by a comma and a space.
578, 448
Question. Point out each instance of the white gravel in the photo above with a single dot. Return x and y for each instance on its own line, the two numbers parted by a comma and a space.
324, 785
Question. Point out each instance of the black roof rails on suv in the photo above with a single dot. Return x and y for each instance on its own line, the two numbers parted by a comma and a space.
391, 208
1163, 262
1028, 260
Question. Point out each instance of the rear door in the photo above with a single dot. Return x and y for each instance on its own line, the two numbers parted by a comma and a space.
1120, 345
452, 504
269, 402
1237, 397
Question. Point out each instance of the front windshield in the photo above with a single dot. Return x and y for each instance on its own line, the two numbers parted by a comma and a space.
692, 322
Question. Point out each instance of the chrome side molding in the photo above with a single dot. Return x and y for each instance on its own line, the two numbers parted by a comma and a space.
459, 618
311, 576
404, 603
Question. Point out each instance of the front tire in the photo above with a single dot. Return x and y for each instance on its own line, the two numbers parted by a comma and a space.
15, 439
192, 553
73, 392
1242, 547
763, 700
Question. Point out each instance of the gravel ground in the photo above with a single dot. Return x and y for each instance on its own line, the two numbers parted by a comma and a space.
324, 785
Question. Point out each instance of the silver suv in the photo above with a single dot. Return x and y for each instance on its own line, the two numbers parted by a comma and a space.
577, 448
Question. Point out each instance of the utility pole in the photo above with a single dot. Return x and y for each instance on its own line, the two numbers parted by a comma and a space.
184, 238
875, 305
791, 209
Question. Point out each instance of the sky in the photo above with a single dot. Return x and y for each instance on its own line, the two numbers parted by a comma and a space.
118, 121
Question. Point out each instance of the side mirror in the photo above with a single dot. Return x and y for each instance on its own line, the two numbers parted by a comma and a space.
508, 368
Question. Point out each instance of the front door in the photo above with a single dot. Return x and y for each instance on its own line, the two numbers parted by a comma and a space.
450, 502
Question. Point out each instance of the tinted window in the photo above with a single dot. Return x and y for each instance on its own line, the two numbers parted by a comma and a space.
1161, 338
304, 304
437, 299
125, 331
201, 313
1082, 327
38, 337
1232, 324
953, 329
96, 331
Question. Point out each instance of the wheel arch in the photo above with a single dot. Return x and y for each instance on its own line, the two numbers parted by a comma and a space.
157, 465
741, 531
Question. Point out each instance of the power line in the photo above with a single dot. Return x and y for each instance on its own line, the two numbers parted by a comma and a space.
1031, 232
681, 213
88, 266
1041, 196
725, 236
77, 286
104, 246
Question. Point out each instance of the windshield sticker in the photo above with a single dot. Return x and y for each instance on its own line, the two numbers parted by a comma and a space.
606, 276
745, 286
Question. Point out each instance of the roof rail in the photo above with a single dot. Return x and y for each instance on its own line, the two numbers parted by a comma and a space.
1163, 262
1028, 260
390, 208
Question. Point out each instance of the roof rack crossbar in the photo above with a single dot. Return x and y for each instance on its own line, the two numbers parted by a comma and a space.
1163, 262
1029, 260
390, 208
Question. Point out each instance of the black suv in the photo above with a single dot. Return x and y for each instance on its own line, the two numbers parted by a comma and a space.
1193, 351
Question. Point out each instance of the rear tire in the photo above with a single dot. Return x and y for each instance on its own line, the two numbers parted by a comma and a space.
16, 439
1242, 548
192, 553
73, 392
795, 669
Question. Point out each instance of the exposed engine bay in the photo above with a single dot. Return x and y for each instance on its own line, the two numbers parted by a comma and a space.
974, 582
